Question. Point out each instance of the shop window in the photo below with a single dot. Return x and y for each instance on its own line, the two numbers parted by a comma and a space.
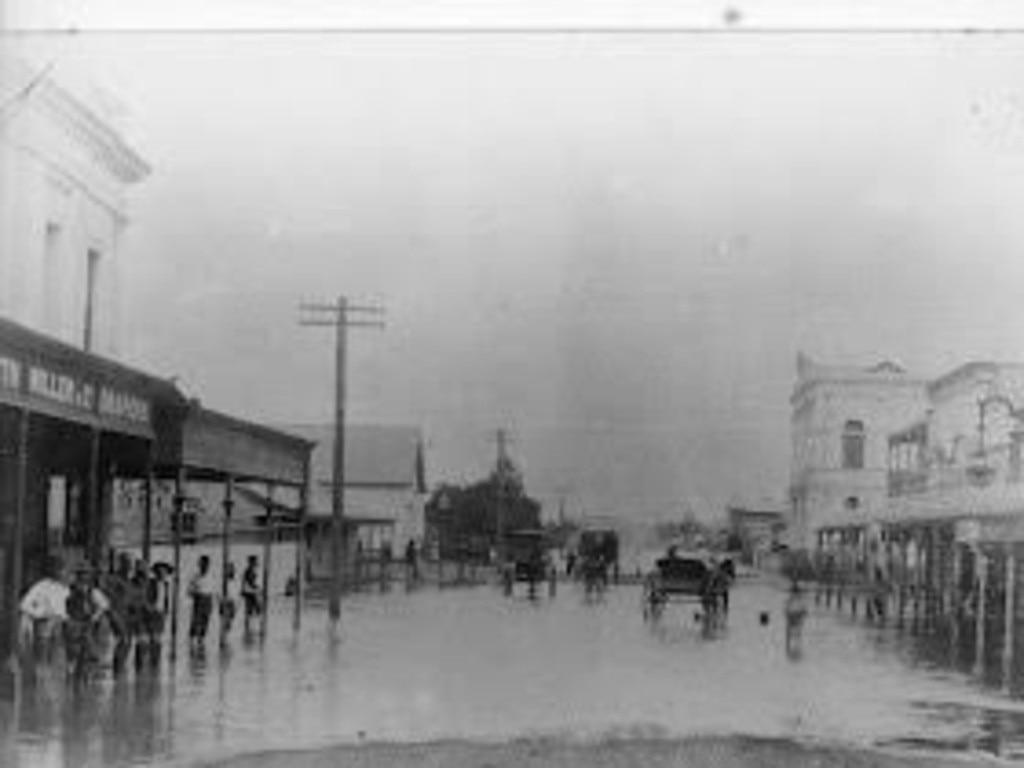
853, 445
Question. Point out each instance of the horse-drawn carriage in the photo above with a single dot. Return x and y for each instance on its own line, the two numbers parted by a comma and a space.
598, 553
686, 578
526, 559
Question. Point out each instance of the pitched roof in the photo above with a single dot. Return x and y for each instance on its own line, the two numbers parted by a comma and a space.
376, 456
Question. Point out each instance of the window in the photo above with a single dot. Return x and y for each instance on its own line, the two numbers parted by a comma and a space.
853, 445
91, 282
51, 277
852, 503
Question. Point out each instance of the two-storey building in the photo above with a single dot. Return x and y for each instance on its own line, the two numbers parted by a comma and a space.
841, 420
76, 425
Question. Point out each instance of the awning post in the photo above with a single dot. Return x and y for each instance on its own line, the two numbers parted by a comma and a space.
94, 544
300, 548
176, 523
225, 559
267, 539
19, 525
147, 511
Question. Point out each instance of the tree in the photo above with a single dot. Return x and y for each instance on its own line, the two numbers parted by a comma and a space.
464, 519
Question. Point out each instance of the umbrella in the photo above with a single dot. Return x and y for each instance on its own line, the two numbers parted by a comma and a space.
46, 599
162, 570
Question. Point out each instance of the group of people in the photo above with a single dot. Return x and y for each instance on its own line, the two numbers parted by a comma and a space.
124, 605
98, 615
204, 595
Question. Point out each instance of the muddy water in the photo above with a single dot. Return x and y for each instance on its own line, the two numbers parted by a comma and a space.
428, 664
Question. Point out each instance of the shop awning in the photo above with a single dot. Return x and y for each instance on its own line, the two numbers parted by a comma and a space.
210, 445
55, 379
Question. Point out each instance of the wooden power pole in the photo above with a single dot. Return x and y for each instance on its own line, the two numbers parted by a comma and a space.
338, 316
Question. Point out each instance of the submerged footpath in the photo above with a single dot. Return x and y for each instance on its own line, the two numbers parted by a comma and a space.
697, 752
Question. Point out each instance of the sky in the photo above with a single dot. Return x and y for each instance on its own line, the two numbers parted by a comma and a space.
612, 245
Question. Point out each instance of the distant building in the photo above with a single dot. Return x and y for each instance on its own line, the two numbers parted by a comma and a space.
840, 425
385, 488
759, 529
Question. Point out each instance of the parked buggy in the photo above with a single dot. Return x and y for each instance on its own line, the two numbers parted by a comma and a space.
679, 578
598, 553
527, 561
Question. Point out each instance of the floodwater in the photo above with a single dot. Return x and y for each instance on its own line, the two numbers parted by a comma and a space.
428, 663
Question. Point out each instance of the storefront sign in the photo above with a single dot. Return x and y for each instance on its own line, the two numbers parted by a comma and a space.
121, 405
73, 393
61, 388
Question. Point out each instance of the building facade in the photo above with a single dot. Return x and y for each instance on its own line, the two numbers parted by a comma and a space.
877, 446
841, 420
65, 172
78, 428
384, 494
963, 456
759, 529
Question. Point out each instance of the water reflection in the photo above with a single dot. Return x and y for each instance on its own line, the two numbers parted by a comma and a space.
101, 722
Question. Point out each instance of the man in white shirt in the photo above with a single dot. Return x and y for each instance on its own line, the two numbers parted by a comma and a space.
200, 589
43, 611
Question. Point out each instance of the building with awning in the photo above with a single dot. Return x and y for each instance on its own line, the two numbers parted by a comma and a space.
74, 427
70, 422
78, 428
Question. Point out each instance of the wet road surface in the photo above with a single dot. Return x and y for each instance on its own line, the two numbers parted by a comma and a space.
430, 664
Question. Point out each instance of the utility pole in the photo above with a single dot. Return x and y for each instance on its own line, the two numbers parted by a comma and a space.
502, 478
337, 316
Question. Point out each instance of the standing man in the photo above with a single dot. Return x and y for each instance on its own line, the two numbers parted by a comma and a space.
118, 587
410, 560
252, 595
200, 590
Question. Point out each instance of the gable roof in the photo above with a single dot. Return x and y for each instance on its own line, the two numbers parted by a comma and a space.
376, 456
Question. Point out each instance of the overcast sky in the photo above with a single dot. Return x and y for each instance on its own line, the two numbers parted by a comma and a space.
612, 245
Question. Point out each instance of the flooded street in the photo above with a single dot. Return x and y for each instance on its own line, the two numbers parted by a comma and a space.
431, 664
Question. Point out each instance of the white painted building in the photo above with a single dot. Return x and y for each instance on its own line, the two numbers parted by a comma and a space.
64, 173
963, 456
385, 487
842, 417
877, 444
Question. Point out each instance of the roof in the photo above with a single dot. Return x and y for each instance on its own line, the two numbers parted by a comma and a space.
376, 456
811, 373
76, 108
983, 371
